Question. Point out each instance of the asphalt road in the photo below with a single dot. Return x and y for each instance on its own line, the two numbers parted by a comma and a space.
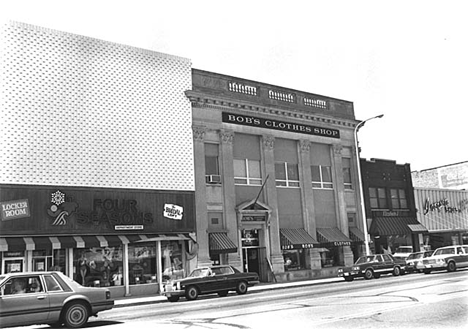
438, 300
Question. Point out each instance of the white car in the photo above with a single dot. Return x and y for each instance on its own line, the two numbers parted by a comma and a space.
402, 252
446, 258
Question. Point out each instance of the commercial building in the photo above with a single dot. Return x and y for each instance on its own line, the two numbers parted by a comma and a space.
276, 178
390, 206
95, 181
445, 214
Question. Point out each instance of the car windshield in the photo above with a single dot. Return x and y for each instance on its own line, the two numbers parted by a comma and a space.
415, 256
2, 277
200, 272
365, 259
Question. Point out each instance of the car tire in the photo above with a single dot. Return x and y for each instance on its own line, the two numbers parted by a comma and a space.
451, 267
223, 293
427, 271
241, 287
377, 275
368, 274
75, 315
191, 293
173, 299
348, 278
396, 271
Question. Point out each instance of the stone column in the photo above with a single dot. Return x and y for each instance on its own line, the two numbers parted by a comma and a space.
308, 207
229, 197
276, 257
203, 258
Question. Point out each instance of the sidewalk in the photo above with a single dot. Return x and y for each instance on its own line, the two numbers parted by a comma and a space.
141, 300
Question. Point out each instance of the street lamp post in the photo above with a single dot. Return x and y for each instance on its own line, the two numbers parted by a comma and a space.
361, 190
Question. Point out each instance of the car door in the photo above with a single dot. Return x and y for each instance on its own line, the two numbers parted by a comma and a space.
30, 306
388, 264
462, 256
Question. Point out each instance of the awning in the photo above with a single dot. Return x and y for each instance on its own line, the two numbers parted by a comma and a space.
356, 235
81, 241
418, 228
297, 238
332, 236
393, 225
221, 244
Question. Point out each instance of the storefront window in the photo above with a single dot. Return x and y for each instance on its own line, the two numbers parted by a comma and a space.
172, 260
330, 256
98, 266
142, 262
52, 260
294, 259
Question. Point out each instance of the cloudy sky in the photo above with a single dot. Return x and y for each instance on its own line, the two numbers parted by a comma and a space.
406, 59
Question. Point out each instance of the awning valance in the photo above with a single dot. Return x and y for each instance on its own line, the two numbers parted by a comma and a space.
81, 241
394, 226
332, 236
220, 243
356, 235
296, 239
418, 228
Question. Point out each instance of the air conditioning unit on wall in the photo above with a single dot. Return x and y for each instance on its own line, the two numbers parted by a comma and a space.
213, 179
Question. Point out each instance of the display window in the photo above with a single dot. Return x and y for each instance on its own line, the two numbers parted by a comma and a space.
330, 256
172, 261
142, 262
98, 266
49, 260
294, 259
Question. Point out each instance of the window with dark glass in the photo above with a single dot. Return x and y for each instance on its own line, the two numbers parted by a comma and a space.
322, 177
212, 164
398, 197
348, 184
378, 198
287, 174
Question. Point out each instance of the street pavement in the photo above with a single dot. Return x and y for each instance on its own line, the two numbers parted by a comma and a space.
141, 300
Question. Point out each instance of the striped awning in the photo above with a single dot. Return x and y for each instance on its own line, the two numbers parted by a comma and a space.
297, 238
356, 235
220, 243
395, 226
418, 228
332, 236
81, 241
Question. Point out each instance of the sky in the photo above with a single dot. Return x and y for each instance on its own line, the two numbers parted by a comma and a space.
406, 59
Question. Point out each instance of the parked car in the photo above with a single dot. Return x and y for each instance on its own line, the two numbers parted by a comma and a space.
49, 298
372, 266
402, 252
207, 280
445, 258
415, 258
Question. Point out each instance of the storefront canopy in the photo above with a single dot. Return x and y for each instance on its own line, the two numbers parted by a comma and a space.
356, 235
395, 226
221, 244
332, 236
296, 239
81, 241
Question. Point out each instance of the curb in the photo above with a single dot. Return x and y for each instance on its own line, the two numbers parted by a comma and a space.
144, 300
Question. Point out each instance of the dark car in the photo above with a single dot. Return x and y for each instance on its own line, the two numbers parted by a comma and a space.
372, 266
415, 258
208, 280
445, 258
48, 298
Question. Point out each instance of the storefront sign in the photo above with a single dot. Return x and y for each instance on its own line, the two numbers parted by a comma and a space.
341, 243
15, 209
253, 218
251, 121
444, 205
173, 211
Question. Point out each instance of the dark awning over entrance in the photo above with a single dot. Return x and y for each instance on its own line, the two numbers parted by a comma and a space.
356, 235
296, 239
395, 226
221, 244
81, 241
332, 236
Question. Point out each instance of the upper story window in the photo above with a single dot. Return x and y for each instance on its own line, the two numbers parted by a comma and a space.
321, 177
212, 164
287, 174
378, 198
398, 197
247, 172
348, 184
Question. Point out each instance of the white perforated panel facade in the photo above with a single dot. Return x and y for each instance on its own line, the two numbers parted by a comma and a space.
79, 111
